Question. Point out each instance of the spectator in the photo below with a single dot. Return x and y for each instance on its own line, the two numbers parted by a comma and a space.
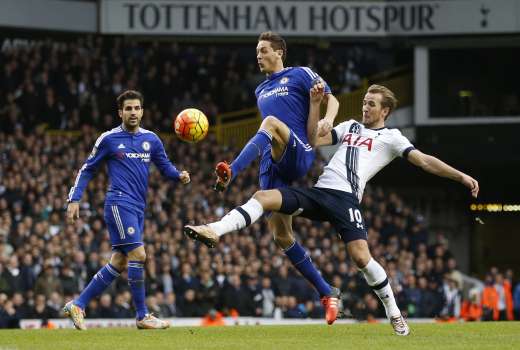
490, 297
48, 282
4, 281
122, 307
505, 300
190, 307
106, 310
452, 295
69, 280
293, 309
8, 316
12, 275
208, 292
268, 298
516, 301
153, 302
40, 309
412, 296
472, 308
168, 307
186, 281
234, 297
27, 273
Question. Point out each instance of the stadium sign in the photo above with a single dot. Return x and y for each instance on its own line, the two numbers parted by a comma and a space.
324, 18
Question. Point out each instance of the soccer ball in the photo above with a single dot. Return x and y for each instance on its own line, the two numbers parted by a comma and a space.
191, 125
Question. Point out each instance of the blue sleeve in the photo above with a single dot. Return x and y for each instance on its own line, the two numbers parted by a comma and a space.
162, 162
309, 77
88, 170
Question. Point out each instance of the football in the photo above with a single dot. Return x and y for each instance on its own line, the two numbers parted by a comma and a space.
191, 125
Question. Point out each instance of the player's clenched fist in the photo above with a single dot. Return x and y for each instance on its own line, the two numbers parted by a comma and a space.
324, 127
72, 212
470, 183
184, 177
317, 92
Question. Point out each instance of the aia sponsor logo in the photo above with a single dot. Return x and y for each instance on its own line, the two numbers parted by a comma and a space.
357, 140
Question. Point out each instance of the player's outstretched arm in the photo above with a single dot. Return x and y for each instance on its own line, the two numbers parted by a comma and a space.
166, 167
438, 167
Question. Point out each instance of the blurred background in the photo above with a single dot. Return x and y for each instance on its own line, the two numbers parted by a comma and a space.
452, 64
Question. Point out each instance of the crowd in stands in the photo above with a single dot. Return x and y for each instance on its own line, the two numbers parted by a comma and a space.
44, 262
498, 301
68, 84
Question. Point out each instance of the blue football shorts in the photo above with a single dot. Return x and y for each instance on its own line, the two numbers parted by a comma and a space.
294, 164
125, 226
340, 208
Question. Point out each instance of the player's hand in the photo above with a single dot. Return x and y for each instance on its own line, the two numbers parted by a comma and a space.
324, 127
72, 212
317, 92
470, 183
184, 178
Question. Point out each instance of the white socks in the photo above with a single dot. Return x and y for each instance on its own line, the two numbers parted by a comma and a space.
376, 278
238, 218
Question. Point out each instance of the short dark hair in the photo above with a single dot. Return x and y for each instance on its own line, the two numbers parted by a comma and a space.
129, 95
276, 40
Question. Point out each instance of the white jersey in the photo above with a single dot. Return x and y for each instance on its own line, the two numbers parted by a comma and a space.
361, 154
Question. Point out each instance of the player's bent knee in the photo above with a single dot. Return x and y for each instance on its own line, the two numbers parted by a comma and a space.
137, 254
359, 253
361, 261
119, 261
269, 199
360, 258
270, 122
261, 196
273, 125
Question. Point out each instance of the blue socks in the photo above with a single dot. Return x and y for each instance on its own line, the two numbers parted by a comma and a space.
104, 277
254, 149
302, 261
101, 280
136, 282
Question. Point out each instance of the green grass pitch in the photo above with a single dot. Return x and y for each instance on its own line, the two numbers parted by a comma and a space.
467, 336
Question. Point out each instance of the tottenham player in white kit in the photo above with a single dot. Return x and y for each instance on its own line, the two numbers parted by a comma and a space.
365, 148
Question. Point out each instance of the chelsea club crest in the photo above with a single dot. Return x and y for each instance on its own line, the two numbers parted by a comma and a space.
146, 145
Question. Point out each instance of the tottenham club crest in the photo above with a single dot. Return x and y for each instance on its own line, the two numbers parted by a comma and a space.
131, 230
146, 146
284, 80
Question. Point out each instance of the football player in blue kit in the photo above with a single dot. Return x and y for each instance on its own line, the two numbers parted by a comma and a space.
128, 151
283, 147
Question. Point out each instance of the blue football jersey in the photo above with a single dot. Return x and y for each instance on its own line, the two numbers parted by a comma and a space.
285, 95
128, 157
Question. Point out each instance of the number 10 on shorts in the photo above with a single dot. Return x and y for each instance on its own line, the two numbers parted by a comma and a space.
355, 216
